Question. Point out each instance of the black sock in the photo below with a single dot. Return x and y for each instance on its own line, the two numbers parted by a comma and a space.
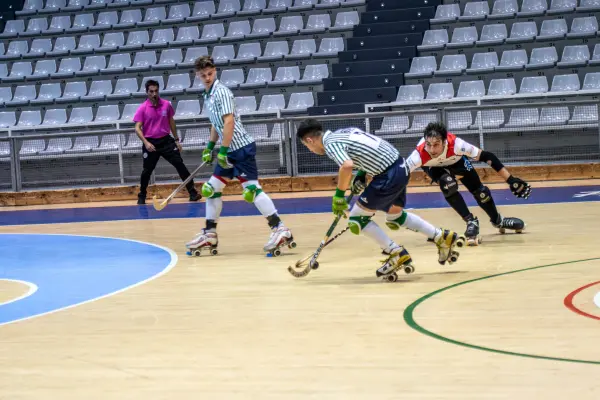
273, 220
210, 224
490, 209
458, 203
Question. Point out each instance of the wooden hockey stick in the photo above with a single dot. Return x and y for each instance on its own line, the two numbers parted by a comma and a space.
159, 205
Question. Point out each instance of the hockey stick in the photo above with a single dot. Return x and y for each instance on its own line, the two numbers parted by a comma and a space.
162, 204
313, 264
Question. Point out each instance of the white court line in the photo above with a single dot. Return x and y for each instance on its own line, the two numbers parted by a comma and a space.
597, 299
32, 289
169, 267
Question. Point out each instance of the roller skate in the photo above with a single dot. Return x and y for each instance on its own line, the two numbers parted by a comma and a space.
512, 223
446, 241
398, 258
472, 232
280, 236
205, 240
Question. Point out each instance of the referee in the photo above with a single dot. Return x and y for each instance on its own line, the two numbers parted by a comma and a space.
153, 123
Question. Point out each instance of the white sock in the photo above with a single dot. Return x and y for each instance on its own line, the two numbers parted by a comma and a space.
418, 224
214, 206
264, 204
373, 231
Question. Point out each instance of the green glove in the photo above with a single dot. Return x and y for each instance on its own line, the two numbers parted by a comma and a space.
222, 158
207, 153
339, 204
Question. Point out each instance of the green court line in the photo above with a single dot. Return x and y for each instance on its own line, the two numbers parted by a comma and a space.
410, 319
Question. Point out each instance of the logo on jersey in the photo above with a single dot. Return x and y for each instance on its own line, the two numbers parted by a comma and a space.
468, 165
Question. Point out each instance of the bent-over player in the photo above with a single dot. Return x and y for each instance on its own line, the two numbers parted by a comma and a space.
236, 159
445, 158
351, 148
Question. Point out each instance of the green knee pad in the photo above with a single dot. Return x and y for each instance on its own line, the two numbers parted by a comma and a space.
207, 190
250, 192
395, 224
358, 223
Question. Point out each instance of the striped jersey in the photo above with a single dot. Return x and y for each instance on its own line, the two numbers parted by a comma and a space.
368, 153
219, 101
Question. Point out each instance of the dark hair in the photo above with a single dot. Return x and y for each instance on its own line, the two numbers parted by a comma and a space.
309, 127
204, 62
435, 130
151, 82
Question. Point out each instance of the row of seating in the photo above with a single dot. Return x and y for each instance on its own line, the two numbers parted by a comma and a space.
177, 84
493, 119
512, 60
201, 9
500, 87
236, 29
245, 105
497, 34
169, 59
501, 9
136, 40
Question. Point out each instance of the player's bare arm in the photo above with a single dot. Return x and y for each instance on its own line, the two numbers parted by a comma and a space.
228, 125
138, 130
345, 175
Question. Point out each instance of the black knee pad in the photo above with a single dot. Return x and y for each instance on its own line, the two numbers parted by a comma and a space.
449, 185
482, 195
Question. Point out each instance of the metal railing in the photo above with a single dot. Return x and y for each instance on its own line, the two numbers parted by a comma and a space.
566, 132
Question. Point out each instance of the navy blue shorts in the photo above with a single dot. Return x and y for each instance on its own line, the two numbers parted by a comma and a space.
387, 189
244, 164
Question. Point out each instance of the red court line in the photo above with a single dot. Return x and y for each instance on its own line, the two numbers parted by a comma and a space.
569, 301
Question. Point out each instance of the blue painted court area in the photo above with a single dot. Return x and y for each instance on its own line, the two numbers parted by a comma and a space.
284, 206
70, 270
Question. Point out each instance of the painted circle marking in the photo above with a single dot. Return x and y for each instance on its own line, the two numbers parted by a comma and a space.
569, 301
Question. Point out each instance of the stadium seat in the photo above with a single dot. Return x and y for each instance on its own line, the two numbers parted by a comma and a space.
108, 113
124, 88
591, 81
186, 35
275, 51
110, 142
32, 147
257, 77
588, 5
92, 66
393, 125
262, 28
117, 63
502, 87
81, 115
434, 39
35, 26
202, 11
523, 117
330, 47
176, 84
272, 103
542, 57
420, 121
512, 60
13, 28
136, 40
63, 45
492, 34
468, 89
533, 84
222, 54
303, 5
422, 67
574, 56
105, 20
452, 64
169, 59
554, 116
73, 91
245, 104
228, 8
475, 11
410, 93
522, 32
44, 68
247, 52
16, 48
30, 118
286, 76
459, 120
153, 16
59, 24
128, 112
5, 94
503, 9
314, 74
300, 101
87, 44
237, 30
187, 109
232, 77
440, 91
302, 48
289, 25
98, 90
178, 13
81, 23
111, 42
130, 18
23, 94
482, 63
583, 27
83, 144
345, 20
143, 61
463, 37
57, 146
277, 6
211, 33
565, 83
55, 117
532, 8
553, 29
581, 114
446, 13
8, 119
252, 7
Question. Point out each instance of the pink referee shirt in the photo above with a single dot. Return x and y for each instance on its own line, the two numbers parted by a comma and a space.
155, 120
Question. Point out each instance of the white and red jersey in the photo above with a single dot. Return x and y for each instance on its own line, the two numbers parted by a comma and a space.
454, 149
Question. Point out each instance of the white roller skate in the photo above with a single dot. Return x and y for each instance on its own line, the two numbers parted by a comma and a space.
511, 223
398, 259
472, 232
446, 242
203, 241
280, 236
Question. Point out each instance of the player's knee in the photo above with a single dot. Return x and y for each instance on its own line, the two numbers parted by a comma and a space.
482, 195
449, 185
250, 192
207, 190
394, 222
357, 223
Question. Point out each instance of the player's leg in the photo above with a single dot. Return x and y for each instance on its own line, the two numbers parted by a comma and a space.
449, 187
170, 152
212, 191
246, 170
150, 159
484, 198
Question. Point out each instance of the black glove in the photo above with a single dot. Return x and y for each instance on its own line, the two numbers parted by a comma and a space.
359, 183
519, 187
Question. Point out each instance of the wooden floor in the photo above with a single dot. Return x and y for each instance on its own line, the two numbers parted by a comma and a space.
238, 326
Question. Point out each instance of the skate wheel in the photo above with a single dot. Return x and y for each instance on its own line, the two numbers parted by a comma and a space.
214, 252
409, 269
277, 253
460, 242
314, 265
454, 258
393, 277
292, 245
197, 253
502, 231
519, 231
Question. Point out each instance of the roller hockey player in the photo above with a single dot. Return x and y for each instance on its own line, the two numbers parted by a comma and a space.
236, 159
351, 149
445, 158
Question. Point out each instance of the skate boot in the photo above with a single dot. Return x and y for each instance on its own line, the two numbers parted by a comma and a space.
446, 242
472, 232
398, 259
512, 223
203, 241
280, 236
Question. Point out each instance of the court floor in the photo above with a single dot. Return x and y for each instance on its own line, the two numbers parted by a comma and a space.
102, 303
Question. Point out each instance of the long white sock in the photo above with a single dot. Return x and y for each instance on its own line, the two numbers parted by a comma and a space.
373, 231
214, 206
264, 204
417, 224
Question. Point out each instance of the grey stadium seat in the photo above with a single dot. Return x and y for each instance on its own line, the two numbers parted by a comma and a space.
422, 67
57, 146
117, 63
84, 144
232, 77
41, 46
302, 48
81, 115
512, 60
393, 125
55, 117
161, 38
574, 56
300, 101
272, 103
7, 119
463, 37
98, 90
452, 64
44, 68
247, 52
262, 28
177, 83
588, 5
345, 20
290, 25
178, 13
228, 8
583, 27
124, 88
23, 94
30, 118
446, 13
483, 62
212, 33
192, 53
565, 83
591, 81
87, 44
105, 20
32, 147
222, 54
187, 109
595, 56
330, 47
92, 66
81, 23
112, 41
129, 111
440, 91
420, 121
553, 29
169, 59
286, 76
434, 39
410, 93
135, 40
554, 116
202, 11
542, 57
460, 120
468, 89
48, 92
523, 117
63, 45
504, 9
153, 16
275, 51
522, 32
252, 7
581, 114
258, 77
237, 30
108, 113
73, 91
314, 74
143, 61
129, 18
533, 8
502, 87
16, 48
492, 34
13, 28
475, 11
533, 84
245, 104
186, 35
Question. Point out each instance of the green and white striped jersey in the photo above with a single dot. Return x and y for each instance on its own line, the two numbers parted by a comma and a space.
219, 101
368, 152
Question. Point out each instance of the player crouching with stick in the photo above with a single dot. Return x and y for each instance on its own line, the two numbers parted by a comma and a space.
352, 148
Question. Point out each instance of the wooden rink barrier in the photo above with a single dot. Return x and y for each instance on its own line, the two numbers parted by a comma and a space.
281, 185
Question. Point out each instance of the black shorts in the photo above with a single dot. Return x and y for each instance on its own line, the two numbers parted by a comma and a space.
462, 170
